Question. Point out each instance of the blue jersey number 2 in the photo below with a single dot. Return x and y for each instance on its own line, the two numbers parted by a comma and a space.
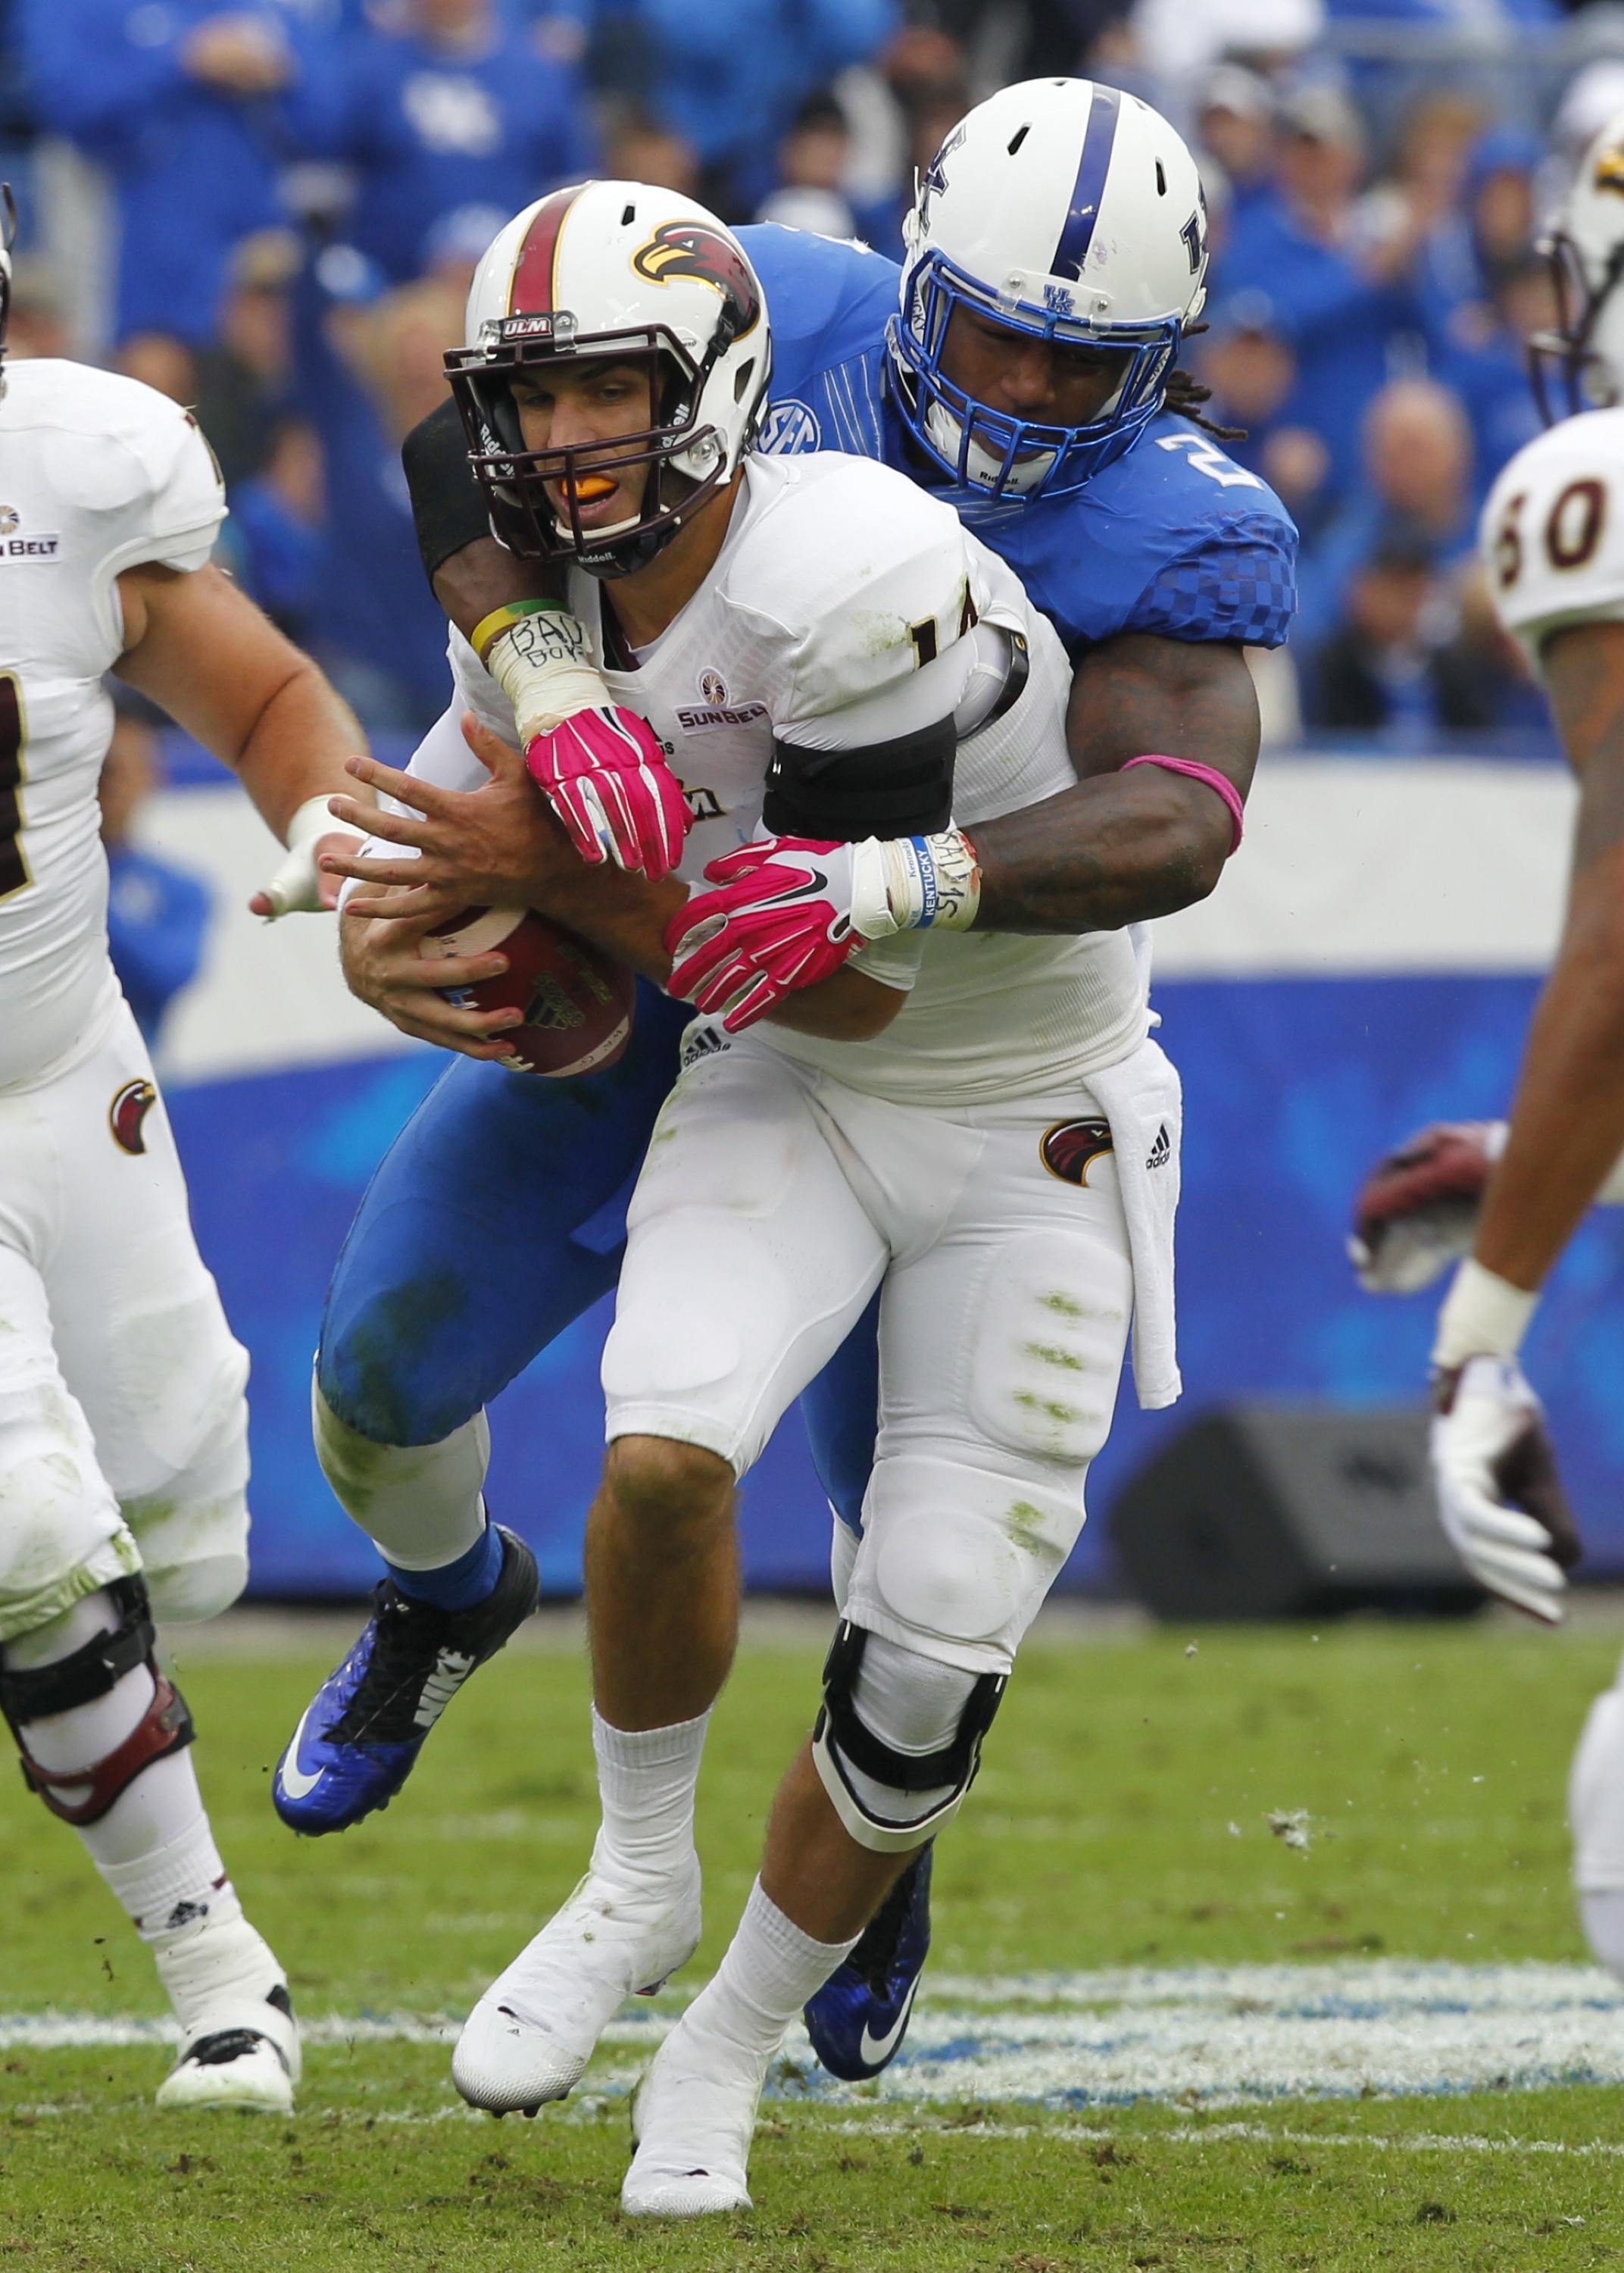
1210, 460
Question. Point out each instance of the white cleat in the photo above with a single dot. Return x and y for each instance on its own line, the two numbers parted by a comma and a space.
691, 2122
247, 2059
240, 2042
531, 2034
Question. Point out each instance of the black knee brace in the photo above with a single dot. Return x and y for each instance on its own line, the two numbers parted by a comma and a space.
839, 1737
35, 1694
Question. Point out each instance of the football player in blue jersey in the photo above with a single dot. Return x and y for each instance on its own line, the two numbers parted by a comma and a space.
1023, 365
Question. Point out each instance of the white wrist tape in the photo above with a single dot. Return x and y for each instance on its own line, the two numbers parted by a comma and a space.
914, 883
296, 888
543, 662
1483, 1316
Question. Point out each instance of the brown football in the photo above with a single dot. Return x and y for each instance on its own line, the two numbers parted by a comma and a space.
577, 1001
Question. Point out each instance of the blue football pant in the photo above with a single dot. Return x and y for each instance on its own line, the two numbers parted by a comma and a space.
494, 1221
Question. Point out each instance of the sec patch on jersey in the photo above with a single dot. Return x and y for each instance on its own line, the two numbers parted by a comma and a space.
577, 1001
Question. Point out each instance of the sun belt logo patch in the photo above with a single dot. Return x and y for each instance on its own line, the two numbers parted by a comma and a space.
127, 1112
687, 248
1069, 1147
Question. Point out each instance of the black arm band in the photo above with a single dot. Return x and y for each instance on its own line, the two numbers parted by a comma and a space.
892, 789
448, 507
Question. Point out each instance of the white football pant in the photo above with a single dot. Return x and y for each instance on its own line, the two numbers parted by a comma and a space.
774, 1200
124, 1429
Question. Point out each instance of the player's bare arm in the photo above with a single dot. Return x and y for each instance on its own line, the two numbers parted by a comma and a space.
202, 650
1119, 849
1568, 1122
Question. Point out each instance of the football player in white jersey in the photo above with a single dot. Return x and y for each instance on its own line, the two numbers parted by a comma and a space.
845, 682
123, 1452
1553, 542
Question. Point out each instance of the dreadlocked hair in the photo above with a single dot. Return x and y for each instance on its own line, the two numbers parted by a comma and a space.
1185, 394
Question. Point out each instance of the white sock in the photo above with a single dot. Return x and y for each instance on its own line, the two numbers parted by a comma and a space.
770, 1970
647, 1780
422, 1505
168, 1885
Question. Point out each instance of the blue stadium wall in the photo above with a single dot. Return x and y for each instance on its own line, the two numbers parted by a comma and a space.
1294, 1082
1291, 1088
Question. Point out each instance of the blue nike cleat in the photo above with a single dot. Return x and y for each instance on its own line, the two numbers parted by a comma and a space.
359, 1737
859, 2019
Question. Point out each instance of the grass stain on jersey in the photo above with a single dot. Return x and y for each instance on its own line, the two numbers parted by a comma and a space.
1024, 1524
1049, 1354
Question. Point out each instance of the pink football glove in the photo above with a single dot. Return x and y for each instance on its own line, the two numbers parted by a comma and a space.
604, 775
781, 920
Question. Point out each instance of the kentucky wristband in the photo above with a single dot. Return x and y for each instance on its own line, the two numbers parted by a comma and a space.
915, 883
1213, 779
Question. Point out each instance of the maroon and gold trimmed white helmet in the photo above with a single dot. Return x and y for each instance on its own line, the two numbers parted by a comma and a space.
615, 269
1579, 365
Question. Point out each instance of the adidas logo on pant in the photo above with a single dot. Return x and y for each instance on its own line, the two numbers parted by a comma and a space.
1162, 1151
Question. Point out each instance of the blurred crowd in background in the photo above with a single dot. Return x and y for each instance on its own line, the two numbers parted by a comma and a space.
272, 211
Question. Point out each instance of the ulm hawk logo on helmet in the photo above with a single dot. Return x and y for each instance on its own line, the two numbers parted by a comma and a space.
687, 248
1610, 170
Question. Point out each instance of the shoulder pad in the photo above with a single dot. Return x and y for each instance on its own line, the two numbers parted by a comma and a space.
867, 575
1552, 530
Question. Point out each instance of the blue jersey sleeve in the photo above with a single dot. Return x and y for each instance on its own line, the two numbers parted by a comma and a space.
828, 303
1172, 538
1238, 582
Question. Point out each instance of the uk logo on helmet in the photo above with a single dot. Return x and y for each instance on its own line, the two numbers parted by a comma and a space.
127, 1112
687, 248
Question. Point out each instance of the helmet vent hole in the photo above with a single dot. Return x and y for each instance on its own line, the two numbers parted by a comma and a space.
630, 214
1020, 137
741, 378
1161, 180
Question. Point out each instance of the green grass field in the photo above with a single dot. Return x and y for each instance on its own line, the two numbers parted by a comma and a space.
1431, 1761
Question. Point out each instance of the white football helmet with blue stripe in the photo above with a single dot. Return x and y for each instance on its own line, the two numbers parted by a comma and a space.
1069, 211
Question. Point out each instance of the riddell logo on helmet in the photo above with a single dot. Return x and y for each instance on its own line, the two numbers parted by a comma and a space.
688, 248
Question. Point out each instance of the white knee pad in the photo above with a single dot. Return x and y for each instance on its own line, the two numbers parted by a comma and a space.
955, 1561
193, 1536
842, 1556
192, 1591
898, 1741
422, 1505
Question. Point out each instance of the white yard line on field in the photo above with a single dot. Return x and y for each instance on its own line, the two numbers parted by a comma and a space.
1207, 2035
